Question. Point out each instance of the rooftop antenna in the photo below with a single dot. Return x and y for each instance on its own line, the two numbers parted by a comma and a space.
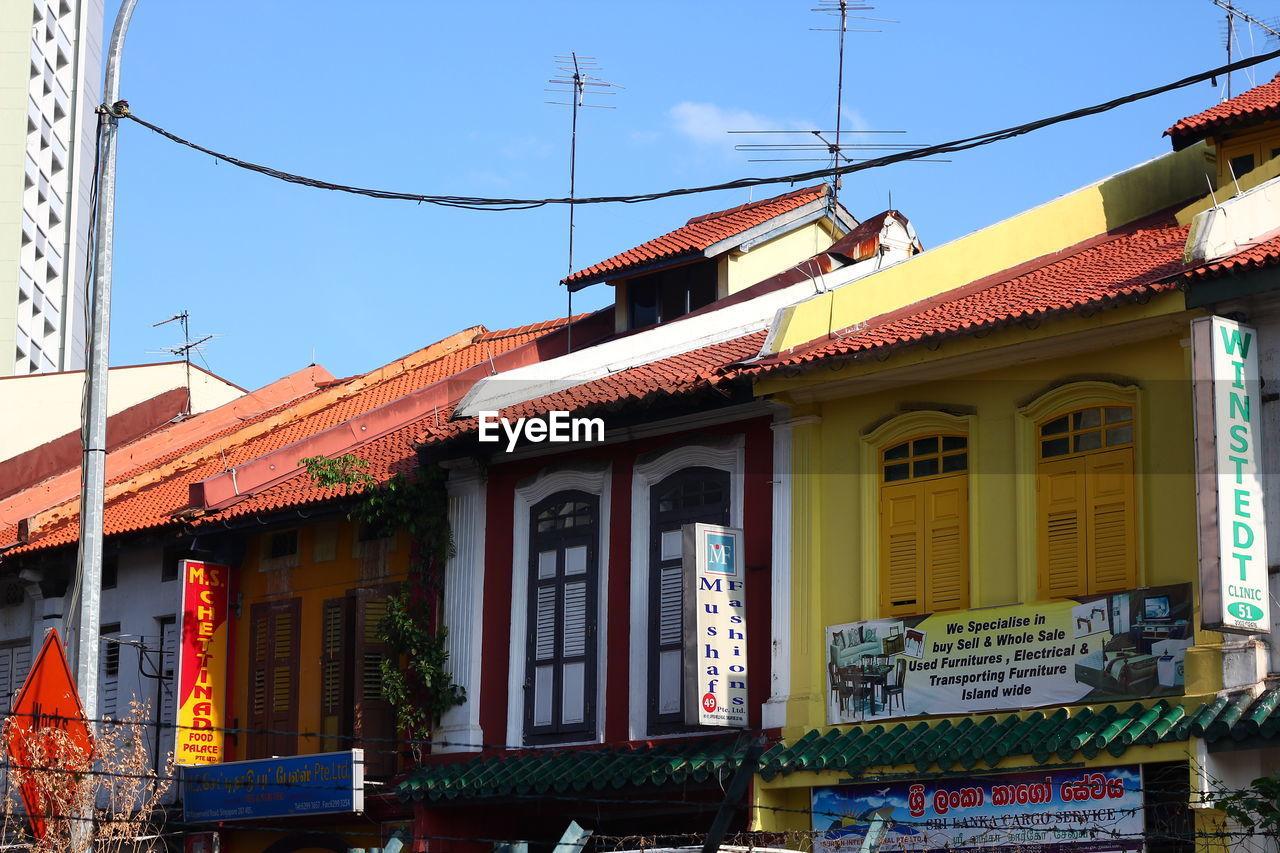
1229, 31
576, 79
184, 349
830, 142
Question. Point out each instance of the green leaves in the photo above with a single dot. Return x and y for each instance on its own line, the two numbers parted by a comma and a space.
342, 470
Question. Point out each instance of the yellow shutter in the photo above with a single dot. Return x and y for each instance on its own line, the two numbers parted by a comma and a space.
946, 544
1111, 528
1061, 512
902, 549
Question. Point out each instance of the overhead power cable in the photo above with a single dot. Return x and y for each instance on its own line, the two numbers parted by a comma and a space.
487, 203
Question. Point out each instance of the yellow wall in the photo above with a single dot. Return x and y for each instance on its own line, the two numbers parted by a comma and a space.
739, 270
835, 565
315, 579
1063, 222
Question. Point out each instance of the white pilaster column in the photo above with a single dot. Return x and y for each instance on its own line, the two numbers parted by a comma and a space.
459, 727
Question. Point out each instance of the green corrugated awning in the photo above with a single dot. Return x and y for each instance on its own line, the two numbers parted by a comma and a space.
565, 770
1060, 734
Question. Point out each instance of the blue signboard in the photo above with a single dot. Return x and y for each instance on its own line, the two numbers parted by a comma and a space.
328, 783
1090, 809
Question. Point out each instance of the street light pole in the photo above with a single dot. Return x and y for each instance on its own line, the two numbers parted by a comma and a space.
95, 428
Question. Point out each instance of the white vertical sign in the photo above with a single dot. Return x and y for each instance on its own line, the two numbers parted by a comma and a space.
715, 658
1233, 537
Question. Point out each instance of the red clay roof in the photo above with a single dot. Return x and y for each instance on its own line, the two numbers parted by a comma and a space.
1264, 253
697, 234
1252, 107
1099, 272
153, 503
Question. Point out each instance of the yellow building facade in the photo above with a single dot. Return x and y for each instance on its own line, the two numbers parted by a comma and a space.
987, 479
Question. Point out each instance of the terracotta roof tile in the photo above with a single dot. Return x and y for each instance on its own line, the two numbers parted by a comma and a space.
1114, 269
153, 504
698, 234
1257, 104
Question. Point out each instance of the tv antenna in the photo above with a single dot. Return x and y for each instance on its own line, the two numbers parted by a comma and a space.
184, 349
577, 80
1229, 30
811, 145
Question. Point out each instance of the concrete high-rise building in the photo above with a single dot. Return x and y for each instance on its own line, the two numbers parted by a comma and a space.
50, 85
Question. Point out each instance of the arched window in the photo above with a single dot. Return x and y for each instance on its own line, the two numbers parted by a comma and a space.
560, 680
1085, 504
686, 497
924, 525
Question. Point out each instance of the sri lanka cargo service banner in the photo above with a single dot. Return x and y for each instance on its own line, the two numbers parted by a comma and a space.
1090, 809
1234, 587
202, 663
1095, 648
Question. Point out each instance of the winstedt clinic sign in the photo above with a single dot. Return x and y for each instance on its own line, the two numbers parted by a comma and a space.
715, 618
1233, 540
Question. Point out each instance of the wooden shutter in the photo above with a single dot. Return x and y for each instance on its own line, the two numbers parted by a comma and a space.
273, 707
374, 723
109, 678
168, 700
902, 549
335, 673
1061, 522
946, 543
15, 662
1111, 523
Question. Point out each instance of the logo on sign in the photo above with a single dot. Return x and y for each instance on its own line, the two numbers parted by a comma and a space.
720, 554
1246, 611
709, 703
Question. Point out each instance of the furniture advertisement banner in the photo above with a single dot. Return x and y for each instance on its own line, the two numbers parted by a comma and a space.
1097, 648
202, 663
1092, 809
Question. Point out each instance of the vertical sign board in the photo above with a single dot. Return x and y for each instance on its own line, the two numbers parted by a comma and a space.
1233, 539
715, 620
202, 663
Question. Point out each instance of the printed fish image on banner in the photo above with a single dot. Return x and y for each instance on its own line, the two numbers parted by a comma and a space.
1095, 648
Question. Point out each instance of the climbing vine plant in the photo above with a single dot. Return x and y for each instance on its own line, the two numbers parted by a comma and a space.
420, 691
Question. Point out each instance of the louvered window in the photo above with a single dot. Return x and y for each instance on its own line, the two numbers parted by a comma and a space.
1085, 504
924, 526
560, 670
686, 497
168, 685
353, 709
273, 708
109, 657
15, 662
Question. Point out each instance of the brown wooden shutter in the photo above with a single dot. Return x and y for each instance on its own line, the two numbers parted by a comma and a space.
335, 673
946, 543
374, 723
1111, 523
1061, 521
273, 707
902, 551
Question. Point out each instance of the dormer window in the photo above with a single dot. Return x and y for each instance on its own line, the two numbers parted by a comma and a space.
663, 296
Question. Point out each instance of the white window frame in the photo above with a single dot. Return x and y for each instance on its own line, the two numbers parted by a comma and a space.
728, 454
595, 481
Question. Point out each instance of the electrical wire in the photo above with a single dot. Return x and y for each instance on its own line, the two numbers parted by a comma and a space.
505, 204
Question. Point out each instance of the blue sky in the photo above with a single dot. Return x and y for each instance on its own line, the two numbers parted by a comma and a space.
437, 97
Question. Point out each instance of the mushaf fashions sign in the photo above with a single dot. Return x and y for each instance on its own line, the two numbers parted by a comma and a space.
1234, 592
1094, 648
715, 618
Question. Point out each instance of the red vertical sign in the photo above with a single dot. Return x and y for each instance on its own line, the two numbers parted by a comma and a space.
202, 663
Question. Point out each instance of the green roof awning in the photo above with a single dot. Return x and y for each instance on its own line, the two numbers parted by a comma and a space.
571, 769
1059, 734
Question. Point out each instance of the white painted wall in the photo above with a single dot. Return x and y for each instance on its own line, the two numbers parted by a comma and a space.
37, 409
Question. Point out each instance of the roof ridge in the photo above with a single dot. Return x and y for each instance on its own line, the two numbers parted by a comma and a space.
752, 205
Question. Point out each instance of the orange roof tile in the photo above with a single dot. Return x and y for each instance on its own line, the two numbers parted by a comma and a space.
1252, 107
1105, 271
150, 498
697, 234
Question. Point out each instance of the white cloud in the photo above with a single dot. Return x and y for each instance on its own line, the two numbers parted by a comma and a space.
708, 124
